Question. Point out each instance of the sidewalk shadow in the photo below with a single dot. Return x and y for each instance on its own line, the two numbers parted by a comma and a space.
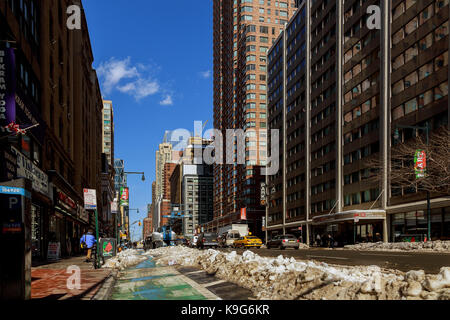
88, 290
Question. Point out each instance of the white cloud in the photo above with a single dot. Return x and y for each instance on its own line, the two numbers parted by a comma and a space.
167, 101
205, 74
135, 81
113, 71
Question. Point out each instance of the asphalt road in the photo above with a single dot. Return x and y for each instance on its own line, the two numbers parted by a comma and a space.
403, 261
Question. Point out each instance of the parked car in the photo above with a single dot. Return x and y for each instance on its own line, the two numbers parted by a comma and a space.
283, 242
248, 242
207, 239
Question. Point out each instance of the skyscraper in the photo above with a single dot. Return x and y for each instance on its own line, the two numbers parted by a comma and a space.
108, 131
244, 30
340, 92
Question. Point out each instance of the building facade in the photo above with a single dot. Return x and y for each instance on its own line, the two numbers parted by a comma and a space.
338, 90
108, 189
243, 33
58, 91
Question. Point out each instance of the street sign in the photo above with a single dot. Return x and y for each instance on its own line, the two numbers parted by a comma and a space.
263, 193
90, 199
420, 163
124, 197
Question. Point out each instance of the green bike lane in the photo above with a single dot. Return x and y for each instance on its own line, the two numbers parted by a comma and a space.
149, 281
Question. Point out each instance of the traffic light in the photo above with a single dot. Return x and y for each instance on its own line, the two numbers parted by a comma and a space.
139, 223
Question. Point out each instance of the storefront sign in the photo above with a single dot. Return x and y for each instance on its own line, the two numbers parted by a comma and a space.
8, 165
54, 251
420, 163
27, 169
124, 197
14, 227
114, 207
7, 87
243, 213
263, 194
66, 201
83, 214
90, 199
350, 216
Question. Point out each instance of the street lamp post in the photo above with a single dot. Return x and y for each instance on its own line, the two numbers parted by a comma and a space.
396, 137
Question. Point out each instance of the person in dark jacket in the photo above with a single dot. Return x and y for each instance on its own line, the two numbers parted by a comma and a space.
88, 240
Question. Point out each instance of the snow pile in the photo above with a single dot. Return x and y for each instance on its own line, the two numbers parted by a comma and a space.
435, 246
287, 278
124, 259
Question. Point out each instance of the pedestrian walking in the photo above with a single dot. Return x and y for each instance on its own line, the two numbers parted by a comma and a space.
87, 242
330, 241
318, 239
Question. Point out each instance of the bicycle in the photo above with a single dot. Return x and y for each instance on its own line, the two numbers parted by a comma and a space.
94, 258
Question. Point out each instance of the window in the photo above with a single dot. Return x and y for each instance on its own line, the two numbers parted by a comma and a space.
411, 106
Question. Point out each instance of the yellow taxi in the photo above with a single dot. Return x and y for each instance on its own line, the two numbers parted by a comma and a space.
247, 242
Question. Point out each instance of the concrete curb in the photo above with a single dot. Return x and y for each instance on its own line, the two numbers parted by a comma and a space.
105, 290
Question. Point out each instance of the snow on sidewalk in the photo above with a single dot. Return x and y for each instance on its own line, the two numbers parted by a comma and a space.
434, 246
287, 278
125, 259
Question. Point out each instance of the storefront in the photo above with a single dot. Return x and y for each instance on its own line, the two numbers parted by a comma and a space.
66, 224
413, 225
352, 227
40, 201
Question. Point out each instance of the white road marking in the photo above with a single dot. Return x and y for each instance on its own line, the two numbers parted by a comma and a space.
213, 283
384, 255
193, 272
340, 258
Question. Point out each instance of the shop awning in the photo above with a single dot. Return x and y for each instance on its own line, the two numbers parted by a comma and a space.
351, 215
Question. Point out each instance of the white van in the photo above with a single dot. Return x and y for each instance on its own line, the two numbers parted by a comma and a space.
229, 237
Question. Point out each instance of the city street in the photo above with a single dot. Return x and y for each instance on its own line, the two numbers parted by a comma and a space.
404, 261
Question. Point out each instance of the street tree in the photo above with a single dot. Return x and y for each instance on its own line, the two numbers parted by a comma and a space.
402, 171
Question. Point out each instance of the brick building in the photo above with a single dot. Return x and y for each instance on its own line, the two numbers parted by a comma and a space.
243, 33
58, 89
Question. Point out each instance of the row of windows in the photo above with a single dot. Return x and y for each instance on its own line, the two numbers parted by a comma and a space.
358, 111
425, 43
414, 23
362, 87
364, 152
418, 75
359, 176
322, 133
324, 41
419, 102
323, 187
360, 66
323, 151
360, 132
322, 206
327, 167
361, 197
360, 45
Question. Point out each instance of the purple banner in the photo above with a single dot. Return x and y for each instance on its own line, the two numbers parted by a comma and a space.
7, 86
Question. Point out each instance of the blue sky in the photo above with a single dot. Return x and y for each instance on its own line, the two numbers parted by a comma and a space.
154, 61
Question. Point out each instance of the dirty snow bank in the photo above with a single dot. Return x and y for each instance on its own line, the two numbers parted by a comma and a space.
435, 246
124, 259
287, 278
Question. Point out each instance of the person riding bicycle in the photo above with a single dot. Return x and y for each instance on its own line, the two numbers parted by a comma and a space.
87, 243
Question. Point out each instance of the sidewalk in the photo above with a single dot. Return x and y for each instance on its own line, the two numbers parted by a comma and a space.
49, 281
